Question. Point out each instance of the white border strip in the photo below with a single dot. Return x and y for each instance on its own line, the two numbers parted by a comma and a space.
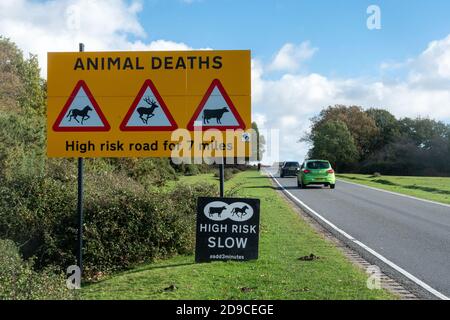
395, 193
368, 249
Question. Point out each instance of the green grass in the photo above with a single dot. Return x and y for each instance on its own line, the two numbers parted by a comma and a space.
429, 188
277, 274
207, 177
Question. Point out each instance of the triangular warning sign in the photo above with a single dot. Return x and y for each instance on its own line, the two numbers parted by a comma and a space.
81, 112
216, 111
148, 112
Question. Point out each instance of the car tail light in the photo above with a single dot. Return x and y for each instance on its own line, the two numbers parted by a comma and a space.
330, 171
306, 171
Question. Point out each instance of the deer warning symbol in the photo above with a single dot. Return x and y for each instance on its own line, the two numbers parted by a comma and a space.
81, 112
148, 112
216, 110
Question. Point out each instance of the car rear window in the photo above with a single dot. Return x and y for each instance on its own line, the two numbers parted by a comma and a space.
292, 164
318, 165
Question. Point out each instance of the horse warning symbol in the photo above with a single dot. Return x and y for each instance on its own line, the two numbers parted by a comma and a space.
148, 112
216, 110
81, 112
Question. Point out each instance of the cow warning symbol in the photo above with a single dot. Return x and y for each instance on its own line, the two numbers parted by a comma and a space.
148, 112
81, 112
216, 110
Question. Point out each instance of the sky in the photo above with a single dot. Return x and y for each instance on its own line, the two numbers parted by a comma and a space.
306, 55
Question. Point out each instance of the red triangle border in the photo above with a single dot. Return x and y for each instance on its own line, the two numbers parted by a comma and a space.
148, 83
218, 84
81, 84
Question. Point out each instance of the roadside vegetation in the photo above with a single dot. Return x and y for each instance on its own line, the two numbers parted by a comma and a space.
367, 141
18, 279
281, 272
428, 188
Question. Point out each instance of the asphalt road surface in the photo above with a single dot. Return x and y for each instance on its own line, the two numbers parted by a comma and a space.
413, 234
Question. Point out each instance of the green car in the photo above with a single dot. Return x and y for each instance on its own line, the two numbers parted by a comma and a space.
316, 172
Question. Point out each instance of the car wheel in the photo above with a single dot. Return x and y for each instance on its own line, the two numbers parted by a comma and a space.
332, 186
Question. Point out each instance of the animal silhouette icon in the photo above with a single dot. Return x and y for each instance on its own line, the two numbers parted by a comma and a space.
216, 210
236, 211
83, 113
214, 113
147, 111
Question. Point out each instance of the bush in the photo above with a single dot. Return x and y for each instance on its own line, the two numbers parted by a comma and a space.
19, 281
129, 225
235, 170
191, 170
147, 171
227, 174
125, 224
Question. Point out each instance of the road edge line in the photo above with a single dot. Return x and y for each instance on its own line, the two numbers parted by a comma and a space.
395, 193
391, 264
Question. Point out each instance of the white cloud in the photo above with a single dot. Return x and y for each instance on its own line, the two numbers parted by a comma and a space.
40, 27
435, 60
290, 56
288, 102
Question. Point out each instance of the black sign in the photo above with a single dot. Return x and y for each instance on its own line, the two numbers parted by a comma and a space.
227, 229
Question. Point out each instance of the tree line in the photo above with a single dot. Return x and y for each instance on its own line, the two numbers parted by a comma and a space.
373, 140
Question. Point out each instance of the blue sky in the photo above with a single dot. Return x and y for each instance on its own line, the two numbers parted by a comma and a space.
306, 55
337, 28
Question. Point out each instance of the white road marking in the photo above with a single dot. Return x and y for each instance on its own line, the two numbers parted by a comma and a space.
395, 193
365, 247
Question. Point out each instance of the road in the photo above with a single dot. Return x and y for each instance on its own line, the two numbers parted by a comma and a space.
412, 234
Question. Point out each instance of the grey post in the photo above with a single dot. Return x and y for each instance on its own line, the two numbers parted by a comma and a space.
221, 176
80, 204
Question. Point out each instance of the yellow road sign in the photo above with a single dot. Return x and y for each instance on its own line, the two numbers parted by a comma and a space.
129, 104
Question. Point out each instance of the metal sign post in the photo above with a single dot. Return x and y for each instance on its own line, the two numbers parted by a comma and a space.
222, 177
80, 204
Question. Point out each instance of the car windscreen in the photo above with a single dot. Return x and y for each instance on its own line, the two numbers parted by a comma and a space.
291, 165
318, 165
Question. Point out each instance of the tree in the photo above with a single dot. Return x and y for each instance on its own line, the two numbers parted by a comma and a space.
334, 142
20, 81
422, 147
361, 126
388, 127
423, 130
11, 85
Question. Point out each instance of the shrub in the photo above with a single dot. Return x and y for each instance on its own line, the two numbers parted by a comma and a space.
124, 223
191, 170
235, 170
227, 174
19, 281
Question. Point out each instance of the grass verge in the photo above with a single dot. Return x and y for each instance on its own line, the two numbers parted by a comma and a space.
429, 188
277, 274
